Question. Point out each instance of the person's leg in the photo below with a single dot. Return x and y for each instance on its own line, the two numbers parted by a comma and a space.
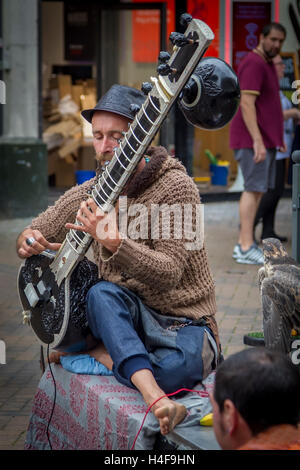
114, 319
265, 207
270, 201
248, 207
100, 353
168, 412
255, 183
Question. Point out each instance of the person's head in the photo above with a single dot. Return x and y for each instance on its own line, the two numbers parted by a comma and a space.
271, 39
254, 390
279, 66
111, 117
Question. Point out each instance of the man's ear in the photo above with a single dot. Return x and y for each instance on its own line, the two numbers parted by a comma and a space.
230, 416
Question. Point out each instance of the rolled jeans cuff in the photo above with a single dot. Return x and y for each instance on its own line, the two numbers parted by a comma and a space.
133, 364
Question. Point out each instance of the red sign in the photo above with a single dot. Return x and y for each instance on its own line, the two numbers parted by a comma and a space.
146, 31
248, 19
209, 12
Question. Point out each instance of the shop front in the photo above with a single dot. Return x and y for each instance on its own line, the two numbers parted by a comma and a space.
75, 50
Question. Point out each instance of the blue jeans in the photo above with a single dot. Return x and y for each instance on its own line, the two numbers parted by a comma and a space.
177, 350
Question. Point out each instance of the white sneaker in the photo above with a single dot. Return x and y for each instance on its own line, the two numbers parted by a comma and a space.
236, 251
252, 256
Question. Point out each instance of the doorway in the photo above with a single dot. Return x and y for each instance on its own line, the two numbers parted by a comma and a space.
85, 48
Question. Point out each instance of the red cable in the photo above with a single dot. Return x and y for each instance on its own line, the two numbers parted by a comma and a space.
163, 396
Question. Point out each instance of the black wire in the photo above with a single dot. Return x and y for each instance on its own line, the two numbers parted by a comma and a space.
42, 360
54, 400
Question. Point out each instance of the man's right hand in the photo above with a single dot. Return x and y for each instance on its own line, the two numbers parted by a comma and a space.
260, 151
39, 244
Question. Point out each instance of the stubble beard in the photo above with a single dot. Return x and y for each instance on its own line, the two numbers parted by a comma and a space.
102, 158
271, 53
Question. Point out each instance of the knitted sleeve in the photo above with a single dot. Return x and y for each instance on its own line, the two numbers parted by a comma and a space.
51, 222
164, 260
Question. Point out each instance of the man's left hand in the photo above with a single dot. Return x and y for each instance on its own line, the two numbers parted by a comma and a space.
283, 149
101, 226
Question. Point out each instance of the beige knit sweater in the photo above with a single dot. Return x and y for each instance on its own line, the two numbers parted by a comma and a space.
162, 272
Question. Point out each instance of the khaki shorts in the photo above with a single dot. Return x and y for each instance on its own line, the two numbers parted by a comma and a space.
258, 177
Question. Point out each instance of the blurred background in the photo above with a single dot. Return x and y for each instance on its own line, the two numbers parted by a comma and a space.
59, 57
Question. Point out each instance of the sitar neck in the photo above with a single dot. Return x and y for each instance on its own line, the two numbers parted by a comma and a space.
139, 136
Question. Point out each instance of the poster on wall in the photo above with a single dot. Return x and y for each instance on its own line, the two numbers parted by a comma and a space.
209, 12
146, 31
248, 19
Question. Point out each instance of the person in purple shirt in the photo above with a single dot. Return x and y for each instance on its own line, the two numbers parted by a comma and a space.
256, 132
268, 204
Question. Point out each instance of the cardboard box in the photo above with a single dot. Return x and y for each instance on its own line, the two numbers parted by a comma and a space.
70, 146
88, 101
62, 171
89, 85
63, 83
86, 157
65, 174
77, 92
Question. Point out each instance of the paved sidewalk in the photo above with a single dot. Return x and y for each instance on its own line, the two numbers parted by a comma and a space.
237, 299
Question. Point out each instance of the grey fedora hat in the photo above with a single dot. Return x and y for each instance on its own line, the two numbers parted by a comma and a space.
117, 100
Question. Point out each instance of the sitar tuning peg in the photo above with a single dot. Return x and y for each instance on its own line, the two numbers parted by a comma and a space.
107, 162
185, 19
146, 87
163, 57
179, 39
134, 108
165, 69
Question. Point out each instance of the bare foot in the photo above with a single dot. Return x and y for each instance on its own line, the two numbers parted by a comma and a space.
101, 355
169, 414
55, 356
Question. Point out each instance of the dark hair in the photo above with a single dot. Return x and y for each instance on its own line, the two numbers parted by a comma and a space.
264, 386
268, 27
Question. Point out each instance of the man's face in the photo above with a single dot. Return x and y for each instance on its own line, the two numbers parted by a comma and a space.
272, 43
107, 130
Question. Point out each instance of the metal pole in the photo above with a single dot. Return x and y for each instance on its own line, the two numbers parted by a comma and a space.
296, 207
1, 65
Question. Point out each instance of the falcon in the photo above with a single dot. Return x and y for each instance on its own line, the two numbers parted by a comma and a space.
279, 285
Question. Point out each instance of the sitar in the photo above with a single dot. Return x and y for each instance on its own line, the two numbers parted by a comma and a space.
52, 286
